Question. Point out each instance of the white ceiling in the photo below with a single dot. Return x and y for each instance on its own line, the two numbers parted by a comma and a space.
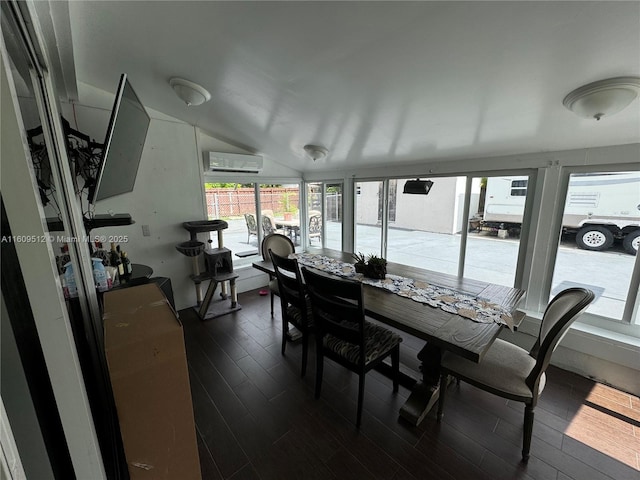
375, 83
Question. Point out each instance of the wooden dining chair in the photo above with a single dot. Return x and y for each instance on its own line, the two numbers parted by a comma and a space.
512, 372
343, 334
296, 308
283, 246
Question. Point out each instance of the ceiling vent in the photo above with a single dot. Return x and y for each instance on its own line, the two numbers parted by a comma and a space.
232, 162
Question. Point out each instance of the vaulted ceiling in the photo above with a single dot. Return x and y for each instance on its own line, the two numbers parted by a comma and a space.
374, 82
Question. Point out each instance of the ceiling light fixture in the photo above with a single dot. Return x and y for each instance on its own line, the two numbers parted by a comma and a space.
316, 152
189, 92
603, 98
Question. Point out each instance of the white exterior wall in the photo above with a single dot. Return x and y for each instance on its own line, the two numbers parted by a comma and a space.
367, 203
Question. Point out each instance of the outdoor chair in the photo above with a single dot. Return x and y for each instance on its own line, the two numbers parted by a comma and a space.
252, 225
269, 226
510, 371
315, 228
343, 334
296, 309
281, 245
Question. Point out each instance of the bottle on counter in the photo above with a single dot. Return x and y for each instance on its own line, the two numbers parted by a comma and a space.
113, 256
126, 265
119, 264
100, 276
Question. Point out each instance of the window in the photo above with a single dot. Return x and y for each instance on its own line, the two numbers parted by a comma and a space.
368, 217
425, 231
600, 232
495, 223
324, 215
519, 188
280, 210
234, 203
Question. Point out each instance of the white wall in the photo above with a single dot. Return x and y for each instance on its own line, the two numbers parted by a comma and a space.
166, 193
432, 213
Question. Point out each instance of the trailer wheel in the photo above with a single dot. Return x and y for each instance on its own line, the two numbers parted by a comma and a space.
594, 237
631, 242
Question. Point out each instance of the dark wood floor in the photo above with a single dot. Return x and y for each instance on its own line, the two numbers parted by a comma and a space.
257, 419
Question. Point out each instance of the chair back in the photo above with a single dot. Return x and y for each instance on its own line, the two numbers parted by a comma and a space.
337, 306
290, 284
252, 225
561, 312
268, 226
315, 226
280, 244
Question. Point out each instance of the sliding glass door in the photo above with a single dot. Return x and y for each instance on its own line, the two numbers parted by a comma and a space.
324, 215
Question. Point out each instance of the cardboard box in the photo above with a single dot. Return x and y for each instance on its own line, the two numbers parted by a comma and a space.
145, 352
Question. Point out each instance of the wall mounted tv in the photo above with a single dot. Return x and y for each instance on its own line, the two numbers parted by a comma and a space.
123, 144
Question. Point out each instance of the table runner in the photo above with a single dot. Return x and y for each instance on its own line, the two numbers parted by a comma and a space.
449, 300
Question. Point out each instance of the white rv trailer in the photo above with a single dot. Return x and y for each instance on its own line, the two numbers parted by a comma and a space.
600, 208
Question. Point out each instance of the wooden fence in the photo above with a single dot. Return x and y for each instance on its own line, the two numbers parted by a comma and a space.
228, 202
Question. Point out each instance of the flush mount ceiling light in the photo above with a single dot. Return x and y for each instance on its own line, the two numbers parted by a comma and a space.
189, 92
603, 98
316, 152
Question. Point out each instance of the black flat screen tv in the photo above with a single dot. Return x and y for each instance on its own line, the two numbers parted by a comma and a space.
123, 144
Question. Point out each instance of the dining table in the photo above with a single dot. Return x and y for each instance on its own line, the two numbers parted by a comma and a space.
291, 227
441, 330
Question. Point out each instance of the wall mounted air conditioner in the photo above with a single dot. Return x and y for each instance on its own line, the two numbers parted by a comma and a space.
232, 162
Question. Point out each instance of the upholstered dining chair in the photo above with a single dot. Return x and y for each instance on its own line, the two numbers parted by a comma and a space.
512, 372
281, 245
343, 334
296, 308
252, 225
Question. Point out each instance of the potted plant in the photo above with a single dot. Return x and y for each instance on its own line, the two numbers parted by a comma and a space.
288, 206
376, 267
361, 262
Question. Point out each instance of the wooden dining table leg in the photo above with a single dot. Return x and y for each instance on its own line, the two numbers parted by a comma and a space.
424, 394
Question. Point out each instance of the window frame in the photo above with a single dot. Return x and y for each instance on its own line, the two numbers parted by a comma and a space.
240, 178
632, 300
547, 188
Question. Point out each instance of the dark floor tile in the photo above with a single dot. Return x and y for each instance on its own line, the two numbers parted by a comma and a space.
601, 462
257, 419
254, 370
565, 463
216, 387
208, 466
346, 467
292, 456
227, 454
498, 469
245, 473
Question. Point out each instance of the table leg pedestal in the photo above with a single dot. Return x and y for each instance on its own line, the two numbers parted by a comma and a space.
425, 394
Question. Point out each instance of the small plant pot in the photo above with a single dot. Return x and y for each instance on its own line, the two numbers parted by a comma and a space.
375, 271
360, 267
